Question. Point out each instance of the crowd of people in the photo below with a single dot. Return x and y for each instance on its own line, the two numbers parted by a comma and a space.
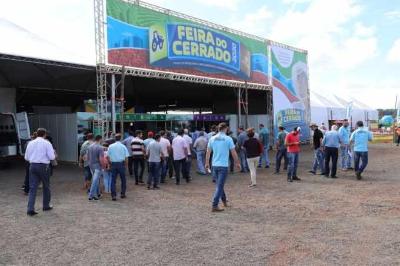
217, 153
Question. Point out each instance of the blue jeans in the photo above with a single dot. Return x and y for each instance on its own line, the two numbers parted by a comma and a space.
364, 161
107, 180
319, 160
201, 158
264, 157
39, 172
221, 174
118, 168
95, 187
164, 169
346, 159
154, 173
243, 161
281, 153
292, 166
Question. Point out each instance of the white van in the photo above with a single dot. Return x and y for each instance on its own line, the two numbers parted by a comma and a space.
14, 134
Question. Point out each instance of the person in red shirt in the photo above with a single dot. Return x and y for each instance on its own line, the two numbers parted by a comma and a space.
292, 143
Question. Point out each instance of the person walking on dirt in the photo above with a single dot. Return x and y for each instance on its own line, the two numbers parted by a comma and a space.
221, 145
398, 135
83, 160
318, 150
344, 133
242, 137
254, 148
264, 138
281, 151
331, 144
39, 153
138, 153
360, 137
117, 155
292, 143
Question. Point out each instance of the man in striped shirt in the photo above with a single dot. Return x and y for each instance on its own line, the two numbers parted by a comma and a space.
138, 153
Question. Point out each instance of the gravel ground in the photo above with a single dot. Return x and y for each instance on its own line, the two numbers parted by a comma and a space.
317, 221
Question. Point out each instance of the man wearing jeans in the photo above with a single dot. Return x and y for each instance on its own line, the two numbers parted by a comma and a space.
221, 145
180, 153
344, 133
155, 155
127, 142
200, 145
83, 160
118, 157
242, 137
95, 153
292, 143
360, 138
318, 150
281, 150
39, 153
165, 148
264, 139
331, 144
138, 152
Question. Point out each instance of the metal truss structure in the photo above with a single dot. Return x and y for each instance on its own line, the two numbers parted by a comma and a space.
101, 75
148, 73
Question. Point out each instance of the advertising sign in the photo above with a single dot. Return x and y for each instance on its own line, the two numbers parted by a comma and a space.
290, 90
141, 37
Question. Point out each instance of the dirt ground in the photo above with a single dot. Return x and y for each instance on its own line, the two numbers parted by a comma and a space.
317, 221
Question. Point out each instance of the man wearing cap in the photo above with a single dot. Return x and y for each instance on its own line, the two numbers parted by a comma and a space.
264, 139
242, 137
292, 143
318, 149
118, 157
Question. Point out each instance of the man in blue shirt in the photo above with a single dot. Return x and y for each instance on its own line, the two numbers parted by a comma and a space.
118, 156
344, 133
264, 139
220, 145
127, 142
360, 138
331, 144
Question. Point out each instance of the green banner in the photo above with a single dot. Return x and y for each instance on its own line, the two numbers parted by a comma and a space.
142, 117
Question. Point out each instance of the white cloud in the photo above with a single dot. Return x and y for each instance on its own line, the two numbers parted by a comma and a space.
290, 2
323, 29
395, 14
223, 4
254, 23
393, 55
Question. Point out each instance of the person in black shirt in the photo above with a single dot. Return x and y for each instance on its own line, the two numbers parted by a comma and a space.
253, 150
318, 150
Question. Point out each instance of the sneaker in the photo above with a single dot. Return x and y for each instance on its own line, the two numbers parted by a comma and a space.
113, 198
217, 209
290, 180
312, 172
358, 174
296, 178
267, 166
252, 185
276, 173
259, 166
334, 176
123, 196
173, 177
156, 187
226, 204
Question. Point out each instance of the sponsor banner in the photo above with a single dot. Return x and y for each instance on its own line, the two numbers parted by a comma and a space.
209, 117
145, 38
142, 117
290, 90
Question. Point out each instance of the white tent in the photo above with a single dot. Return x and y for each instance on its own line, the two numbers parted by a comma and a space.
333, 107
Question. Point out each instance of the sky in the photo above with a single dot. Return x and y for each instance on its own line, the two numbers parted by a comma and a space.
353, 45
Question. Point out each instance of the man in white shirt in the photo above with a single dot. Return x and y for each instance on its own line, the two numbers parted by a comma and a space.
39, 153
165, 148
180, 153
189, 143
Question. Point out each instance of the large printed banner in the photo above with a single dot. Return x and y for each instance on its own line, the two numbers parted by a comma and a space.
290, 90
141, 37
